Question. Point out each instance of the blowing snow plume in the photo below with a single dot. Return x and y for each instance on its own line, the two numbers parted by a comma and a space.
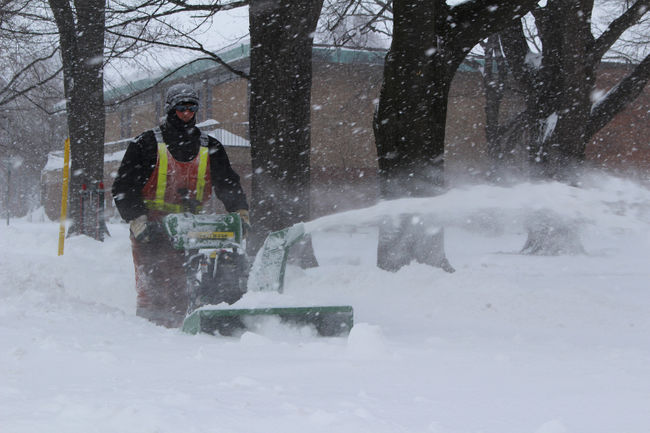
609, 203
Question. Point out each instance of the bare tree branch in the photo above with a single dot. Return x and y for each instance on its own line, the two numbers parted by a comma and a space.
14, 94
619, 97
209, 7
340, 16
366, 15
180, 6
620, 25
469, 19
199, 48
157, 82
42, 107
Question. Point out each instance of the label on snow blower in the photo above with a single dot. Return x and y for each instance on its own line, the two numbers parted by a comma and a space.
193, 232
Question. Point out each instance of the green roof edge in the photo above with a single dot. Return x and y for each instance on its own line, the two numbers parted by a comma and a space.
330, 54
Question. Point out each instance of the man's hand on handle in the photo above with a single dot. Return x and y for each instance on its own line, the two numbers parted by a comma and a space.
141, 228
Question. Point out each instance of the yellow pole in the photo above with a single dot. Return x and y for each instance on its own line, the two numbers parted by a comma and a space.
64, 193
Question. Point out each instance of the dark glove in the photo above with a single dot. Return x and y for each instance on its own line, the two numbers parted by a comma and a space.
142, 229
190, 204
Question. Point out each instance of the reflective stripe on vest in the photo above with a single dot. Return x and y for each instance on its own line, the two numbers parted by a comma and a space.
200, 180
158, 203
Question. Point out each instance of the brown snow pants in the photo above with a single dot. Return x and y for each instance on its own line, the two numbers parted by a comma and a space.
160, 282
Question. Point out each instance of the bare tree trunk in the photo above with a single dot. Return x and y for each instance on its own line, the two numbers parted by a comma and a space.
556, 113
430, 41
280, 94
82, 48
559, 115
409, 134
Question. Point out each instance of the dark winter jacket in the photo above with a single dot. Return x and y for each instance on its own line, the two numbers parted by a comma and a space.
183, 143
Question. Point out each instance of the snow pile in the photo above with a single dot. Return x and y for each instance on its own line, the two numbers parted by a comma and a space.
507, 344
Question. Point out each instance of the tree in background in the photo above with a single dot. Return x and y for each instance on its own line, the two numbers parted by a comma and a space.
75, 32
561, 113
27, 135
430, 41
281, 33
30, 86
80, 25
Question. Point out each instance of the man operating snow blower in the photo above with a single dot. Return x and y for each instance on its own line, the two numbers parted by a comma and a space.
170, 169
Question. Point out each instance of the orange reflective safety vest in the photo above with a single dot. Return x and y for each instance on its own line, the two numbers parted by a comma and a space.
174, 184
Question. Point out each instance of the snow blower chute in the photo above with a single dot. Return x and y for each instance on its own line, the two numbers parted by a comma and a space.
218, 275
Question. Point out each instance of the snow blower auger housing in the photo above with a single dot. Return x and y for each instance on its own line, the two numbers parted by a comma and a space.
218, 276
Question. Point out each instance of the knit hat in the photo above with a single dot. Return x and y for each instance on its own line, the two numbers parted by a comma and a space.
180, 93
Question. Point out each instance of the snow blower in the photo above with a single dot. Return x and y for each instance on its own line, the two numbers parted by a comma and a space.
218, 275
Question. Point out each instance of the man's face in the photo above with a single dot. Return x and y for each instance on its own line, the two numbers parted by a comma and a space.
185, 111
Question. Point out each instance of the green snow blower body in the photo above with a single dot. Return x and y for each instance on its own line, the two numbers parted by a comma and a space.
218, 275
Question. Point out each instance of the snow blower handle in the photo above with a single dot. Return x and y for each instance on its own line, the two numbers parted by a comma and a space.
245, 222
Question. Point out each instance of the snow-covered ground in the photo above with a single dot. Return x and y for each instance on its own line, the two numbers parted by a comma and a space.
507, 344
